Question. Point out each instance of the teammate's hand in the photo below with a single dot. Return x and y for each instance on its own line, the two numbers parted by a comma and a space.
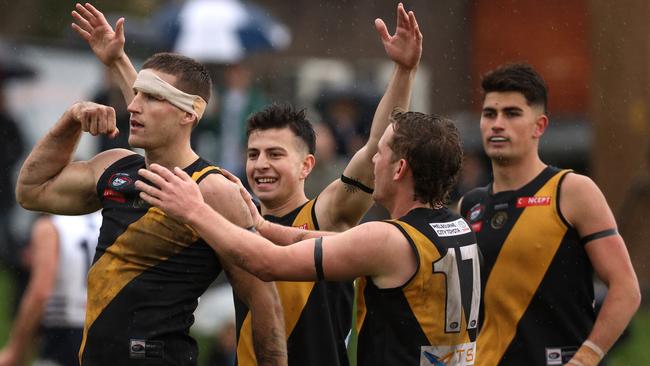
95, 118
175, 193
258, 220
91, 25
405, 46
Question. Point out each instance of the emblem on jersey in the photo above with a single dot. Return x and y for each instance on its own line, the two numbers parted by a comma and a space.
533, 201
120, 180
304, 226
452, 228
456, 355
559, 355
475, 212
499, 220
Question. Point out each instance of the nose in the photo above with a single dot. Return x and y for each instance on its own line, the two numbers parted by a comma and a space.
262, 161
499, 123
134, 106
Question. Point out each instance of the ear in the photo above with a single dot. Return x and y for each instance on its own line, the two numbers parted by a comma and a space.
401, 170
540, 126
188, 119
308, 163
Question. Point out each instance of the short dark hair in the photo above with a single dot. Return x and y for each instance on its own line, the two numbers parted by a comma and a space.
431, 146
284, 115
192, 76
517, 77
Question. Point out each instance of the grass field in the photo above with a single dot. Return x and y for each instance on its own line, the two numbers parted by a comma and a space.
634, 351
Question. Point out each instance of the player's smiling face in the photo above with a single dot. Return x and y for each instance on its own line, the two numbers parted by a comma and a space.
275, 165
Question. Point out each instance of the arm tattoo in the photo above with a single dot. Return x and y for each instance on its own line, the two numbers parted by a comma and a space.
271, 350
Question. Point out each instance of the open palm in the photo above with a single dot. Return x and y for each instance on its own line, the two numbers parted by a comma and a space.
91, 25
405, 46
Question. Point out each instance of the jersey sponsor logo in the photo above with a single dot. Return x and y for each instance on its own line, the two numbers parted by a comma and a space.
114, 195
455, 355
452, 228
303, 226
533, 201
120, 180
499, 220
475, 212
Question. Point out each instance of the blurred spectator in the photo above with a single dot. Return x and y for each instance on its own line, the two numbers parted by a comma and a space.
236, 98
329, 165
11, 151
60, 254
634, 227
348, 114
224, 348
111, 95
474, 173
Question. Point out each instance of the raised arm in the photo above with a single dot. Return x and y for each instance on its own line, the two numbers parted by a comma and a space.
44, 246
261, 297
585, 207
341, 205
50, 181
108, 45
363, 250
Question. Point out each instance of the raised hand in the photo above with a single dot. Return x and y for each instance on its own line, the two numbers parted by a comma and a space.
95, 118
91, 25
405, 46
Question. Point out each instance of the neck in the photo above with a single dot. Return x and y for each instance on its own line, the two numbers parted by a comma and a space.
510, 176
280, 208
169, 157
402, 202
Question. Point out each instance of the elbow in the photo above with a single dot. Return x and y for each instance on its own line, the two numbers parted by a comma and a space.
22, 197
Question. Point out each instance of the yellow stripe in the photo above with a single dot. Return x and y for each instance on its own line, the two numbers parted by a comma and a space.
293, 297
360, 286
425, 291
245, 348
527, 253
198, 174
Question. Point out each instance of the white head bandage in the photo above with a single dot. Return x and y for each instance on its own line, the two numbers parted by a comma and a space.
150, 83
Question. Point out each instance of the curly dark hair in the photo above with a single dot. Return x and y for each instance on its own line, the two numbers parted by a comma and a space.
431, 146
193, 77
517, 77
284, 115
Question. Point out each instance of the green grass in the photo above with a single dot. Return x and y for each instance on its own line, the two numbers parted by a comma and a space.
635, 350
6, 299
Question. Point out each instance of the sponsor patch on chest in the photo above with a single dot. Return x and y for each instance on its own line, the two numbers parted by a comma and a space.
533, 201
452, 228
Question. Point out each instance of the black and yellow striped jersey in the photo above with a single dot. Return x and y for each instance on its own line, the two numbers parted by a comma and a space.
146, 277
317, 315
538, 289
432, 319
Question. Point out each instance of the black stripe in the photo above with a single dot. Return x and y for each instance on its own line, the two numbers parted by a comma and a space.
356, 183
318, 258
211, 171
601, 234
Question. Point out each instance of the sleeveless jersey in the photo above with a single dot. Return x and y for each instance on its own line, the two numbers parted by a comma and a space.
538, 289
147, 275
77, 238
317, 315
433, 318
